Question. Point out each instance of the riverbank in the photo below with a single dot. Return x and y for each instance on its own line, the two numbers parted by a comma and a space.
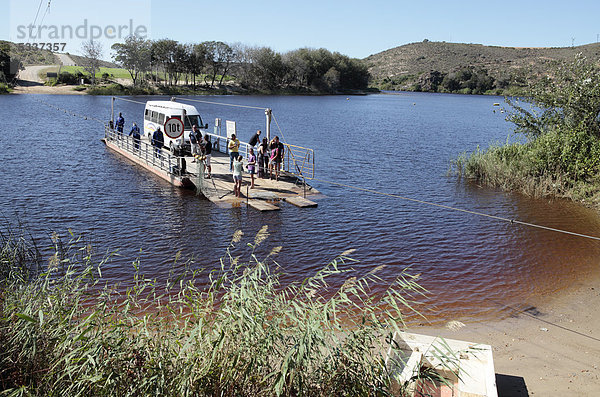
552, 349
43, 89
31, 82
117, 89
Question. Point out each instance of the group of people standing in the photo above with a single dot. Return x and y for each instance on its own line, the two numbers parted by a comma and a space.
157, 140
265, 160
264, 157
270, 158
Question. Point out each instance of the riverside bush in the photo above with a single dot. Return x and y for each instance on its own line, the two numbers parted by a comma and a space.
245, 334
561, 154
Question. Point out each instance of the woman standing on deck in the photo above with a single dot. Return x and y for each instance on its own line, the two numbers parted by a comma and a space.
263, 158
234, 150
238, 166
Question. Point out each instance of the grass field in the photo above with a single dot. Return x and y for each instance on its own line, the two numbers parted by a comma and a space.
117, 73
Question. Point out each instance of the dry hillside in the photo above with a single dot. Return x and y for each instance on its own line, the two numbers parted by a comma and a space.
416, 63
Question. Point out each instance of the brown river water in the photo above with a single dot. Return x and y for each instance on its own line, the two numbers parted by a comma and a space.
58, 175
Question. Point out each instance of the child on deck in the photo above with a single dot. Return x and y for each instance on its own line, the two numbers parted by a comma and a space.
238, 166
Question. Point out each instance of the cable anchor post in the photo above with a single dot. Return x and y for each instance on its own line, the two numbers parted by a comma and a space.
268, 114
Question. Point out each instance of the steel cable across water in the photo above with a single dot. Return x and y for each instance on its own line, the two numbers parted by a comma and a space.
363, 189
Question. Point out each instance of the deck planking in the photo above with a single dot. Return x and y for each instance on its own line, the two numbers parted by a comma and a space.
219, 188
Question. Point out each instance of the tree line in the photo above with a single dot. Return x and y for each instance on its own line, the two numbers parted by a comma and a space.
464, 80
211, 63
9, 64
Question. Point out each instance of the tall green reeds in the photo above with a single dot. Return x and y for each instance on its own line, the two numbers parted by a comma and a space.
65, 333
555, 164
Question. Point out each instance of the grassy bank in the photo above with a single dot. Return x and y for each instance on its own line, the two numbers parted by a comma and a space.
119, 89
117, 73
64, 332
554, 165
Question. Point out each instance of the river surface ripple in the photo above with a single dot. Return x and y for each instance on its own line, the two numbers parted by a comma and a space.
57, 175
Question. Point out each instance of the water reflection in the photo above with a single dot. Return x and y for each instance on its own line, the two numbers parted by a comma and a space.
399, 144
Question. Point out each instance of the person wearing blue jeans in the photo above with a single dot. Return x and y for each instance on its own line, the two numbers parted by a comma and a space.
234, 150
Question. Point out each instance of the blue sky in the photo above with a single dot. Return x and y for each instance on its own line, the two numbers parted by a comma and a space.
354, 28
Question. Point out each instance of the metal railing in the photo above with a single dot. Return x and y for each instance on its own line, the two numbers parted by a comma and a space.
158, 158
297, 160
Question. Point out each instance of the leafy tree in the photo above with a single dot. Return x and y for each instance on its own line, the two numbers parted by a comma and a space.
5, 71
332, 79
180, 59
567, 100
163, 56
354, 73
133, 55
196, 60
451, 82
219, 56
225, 56
268, 69
242, 64
298, 66
319, 61
92, 51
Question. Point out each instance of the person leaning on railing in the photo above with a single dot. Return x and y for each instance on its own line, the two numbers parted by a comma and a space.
255, 139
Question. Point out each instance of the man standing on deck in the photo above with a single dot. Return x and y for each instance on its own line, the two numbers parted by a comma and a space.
207, 149
234, 150
135, 132
277, 151
255, 139
120, 124
195, 140
158, 140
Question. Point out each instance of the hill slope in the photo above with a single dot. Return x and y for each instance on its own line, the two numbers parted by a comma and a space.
423, 66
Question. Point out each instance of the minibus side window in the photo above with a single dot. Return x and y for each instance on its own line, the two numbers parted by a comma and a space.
191, 120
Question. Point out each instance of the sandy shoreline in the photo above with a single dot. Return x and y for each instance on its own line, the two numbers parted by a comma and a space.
42, 89
552, 349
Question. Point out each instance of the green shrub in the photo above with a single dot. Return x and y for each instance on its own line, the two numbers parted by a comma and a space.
561, 154
68, 78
